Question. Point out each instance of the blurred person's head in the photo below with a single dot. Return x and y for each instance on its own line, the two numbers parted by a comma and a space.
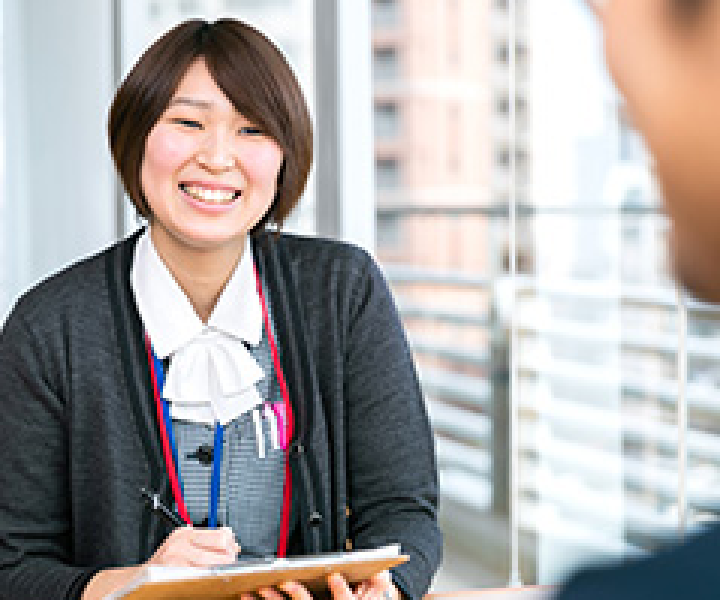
665, 57
248, 73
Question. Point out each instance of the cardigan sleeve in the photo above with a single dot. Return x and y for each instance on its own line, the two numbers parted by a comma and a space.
391, 462
35, 524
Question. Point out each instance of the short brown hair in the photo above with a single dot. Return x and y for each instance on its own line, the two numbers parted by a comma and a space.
250, 71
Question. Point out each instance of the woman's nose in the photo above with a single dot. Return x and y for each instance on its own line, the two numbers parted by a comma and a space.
216, 152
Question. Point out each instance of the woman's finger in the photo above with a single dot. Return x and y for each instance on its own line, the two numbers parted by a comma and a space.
270, 594
380, 587
186, 554
295, 590
190, 547
218, 540
339, 588
381, 579
361, 590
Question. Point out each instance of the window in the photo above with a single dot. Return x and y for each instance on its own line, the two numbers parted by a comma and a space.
502, 52
387, 173
388, 230
521, 106
385, 13
595, 316
387, 120
521, 54
386, 64
502, 158
434, 230
502, 104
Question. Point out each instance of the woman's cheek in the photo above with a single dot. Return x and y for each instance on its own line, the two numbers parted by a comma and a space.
168, 149
262, 162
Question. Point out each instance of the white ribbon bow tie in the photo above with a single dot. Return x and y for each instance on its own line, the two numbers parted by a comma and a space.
212, 378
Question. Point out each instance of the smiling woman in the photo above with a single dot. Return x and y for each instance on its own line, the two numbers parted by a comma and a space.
247, 377
208, 177
253, 77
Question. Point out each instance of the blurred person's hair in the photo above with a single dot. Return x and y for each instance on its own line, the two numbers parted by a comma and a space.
250, 71
688, 10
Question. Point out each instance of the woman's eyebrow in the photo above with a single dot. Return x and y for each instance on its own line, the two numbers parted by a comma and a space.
190, 102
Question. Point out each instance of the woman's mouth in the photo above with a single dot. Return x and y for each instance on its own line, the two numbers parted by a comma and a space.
210, 195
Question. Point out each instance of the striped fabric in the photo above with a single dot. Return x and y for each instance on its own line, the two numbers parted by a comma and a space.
251, 484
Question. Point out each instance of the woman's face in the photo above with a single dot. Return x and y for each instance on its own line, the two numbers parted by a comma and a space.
208, 174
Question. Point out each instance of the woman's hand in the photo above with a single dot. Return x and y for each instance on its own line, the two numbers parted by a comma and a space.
184, 547
378, 587
194, 547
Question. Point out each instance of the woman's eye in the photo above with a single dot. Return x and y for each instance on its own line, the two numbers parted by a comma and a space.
251, 131
188, 123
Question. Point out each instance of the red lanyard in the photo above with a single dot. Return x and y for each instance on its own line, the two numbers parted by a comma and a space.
288, 426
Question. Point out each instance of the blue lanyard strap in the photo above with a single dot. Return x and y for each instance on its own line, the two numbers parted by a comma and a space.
215, 479
217, 447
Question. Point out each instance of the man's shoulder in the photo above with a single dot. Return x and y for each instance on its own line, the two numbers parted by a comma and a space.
688, 570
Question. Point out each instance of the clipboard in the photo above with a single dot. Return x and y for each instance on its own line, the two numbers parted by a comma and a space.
225, 582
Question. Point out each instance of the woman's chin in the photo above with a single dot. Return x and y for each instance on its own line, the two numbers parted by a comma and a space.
201, 239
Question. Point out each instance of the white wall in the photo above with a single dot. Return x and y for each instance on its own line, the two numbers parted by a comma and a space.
58, 195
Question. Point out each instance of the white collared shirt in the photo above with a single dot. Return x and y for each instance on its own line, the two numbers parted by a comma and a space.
212, 375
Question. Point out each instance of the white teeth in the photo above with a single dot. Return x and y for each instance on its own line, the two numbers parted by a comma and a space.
206, 195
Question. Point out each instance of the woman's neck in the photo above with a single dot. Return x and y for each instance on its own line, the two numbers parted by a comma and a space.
202, 273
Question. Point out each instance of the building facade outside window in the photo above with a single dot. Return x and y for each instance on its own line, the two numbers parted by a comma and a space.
598, 320
480, 107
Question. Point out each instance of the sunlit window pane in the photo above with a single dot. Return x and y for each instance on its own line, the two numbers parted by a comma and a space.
597, 313
479, 108
441, 238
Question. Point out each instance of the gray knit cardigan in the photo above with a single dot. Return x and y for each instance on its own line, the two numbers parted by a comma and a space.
79, 435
